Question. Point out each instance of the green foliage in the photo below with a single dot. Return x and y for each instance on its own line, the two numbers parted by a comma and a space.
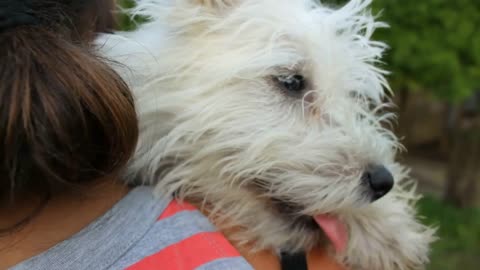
125, 21
435, 45
458, 246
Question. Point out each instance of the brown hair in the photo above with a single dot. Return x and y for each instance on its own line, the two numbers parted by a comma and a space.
65, 116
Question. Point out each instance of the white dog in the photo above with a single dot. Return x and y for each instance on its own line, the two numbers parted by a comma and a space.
269, 114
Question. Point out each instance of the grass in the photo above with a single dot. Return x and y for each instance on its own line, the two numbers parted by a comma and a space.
459, 231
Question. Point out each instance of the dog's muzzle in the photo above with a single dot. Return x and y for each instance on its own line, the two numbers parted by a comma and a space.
379, 180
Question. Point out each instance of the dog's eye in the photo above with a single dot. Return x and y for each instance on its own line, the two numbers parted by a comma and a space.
354, 94
291, 84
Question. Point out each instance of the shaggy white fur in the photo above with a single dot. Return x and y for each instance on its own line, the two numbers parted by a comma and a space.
221, 128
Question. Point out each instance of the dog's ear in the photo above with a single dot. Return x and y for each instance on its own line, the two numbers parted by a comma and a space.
217, 4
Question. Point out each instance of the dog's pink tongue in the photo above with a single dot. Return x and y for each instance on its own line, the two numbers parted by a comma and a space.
335, 230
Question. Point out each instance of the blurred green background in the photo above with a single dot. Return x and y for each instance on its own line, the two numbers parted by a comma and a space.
434, 57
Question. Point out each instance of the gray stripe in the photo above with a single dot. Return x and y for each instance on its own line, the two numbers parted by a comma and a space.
165, 233
101, 243
237, 263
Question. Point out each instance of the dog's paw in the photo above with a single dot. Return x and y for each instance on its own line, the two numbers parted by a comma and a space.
387, 236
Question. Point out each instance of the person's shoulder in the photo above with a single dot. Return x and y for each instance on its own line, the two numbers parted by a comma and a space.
182, 238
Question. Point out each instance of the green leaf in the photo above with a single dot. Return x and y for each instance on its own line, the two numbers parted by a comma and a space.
435, 45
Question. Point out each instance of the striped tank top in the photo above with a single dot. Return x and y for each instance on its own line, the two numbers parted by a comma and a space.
142, 232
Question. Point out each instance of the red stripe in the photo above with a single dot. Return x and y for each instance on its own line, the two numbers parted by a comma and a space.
175, 207
189, 254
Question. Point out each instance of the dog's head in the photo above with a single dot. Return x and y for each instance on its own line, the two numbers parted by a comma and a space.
268, 111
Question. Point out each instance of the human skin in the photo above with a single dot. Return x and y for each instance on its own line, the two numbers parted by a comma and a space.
62, 217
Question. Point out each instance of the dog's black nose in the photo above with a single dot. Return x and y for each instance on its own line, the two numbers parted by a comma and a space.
379, 179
